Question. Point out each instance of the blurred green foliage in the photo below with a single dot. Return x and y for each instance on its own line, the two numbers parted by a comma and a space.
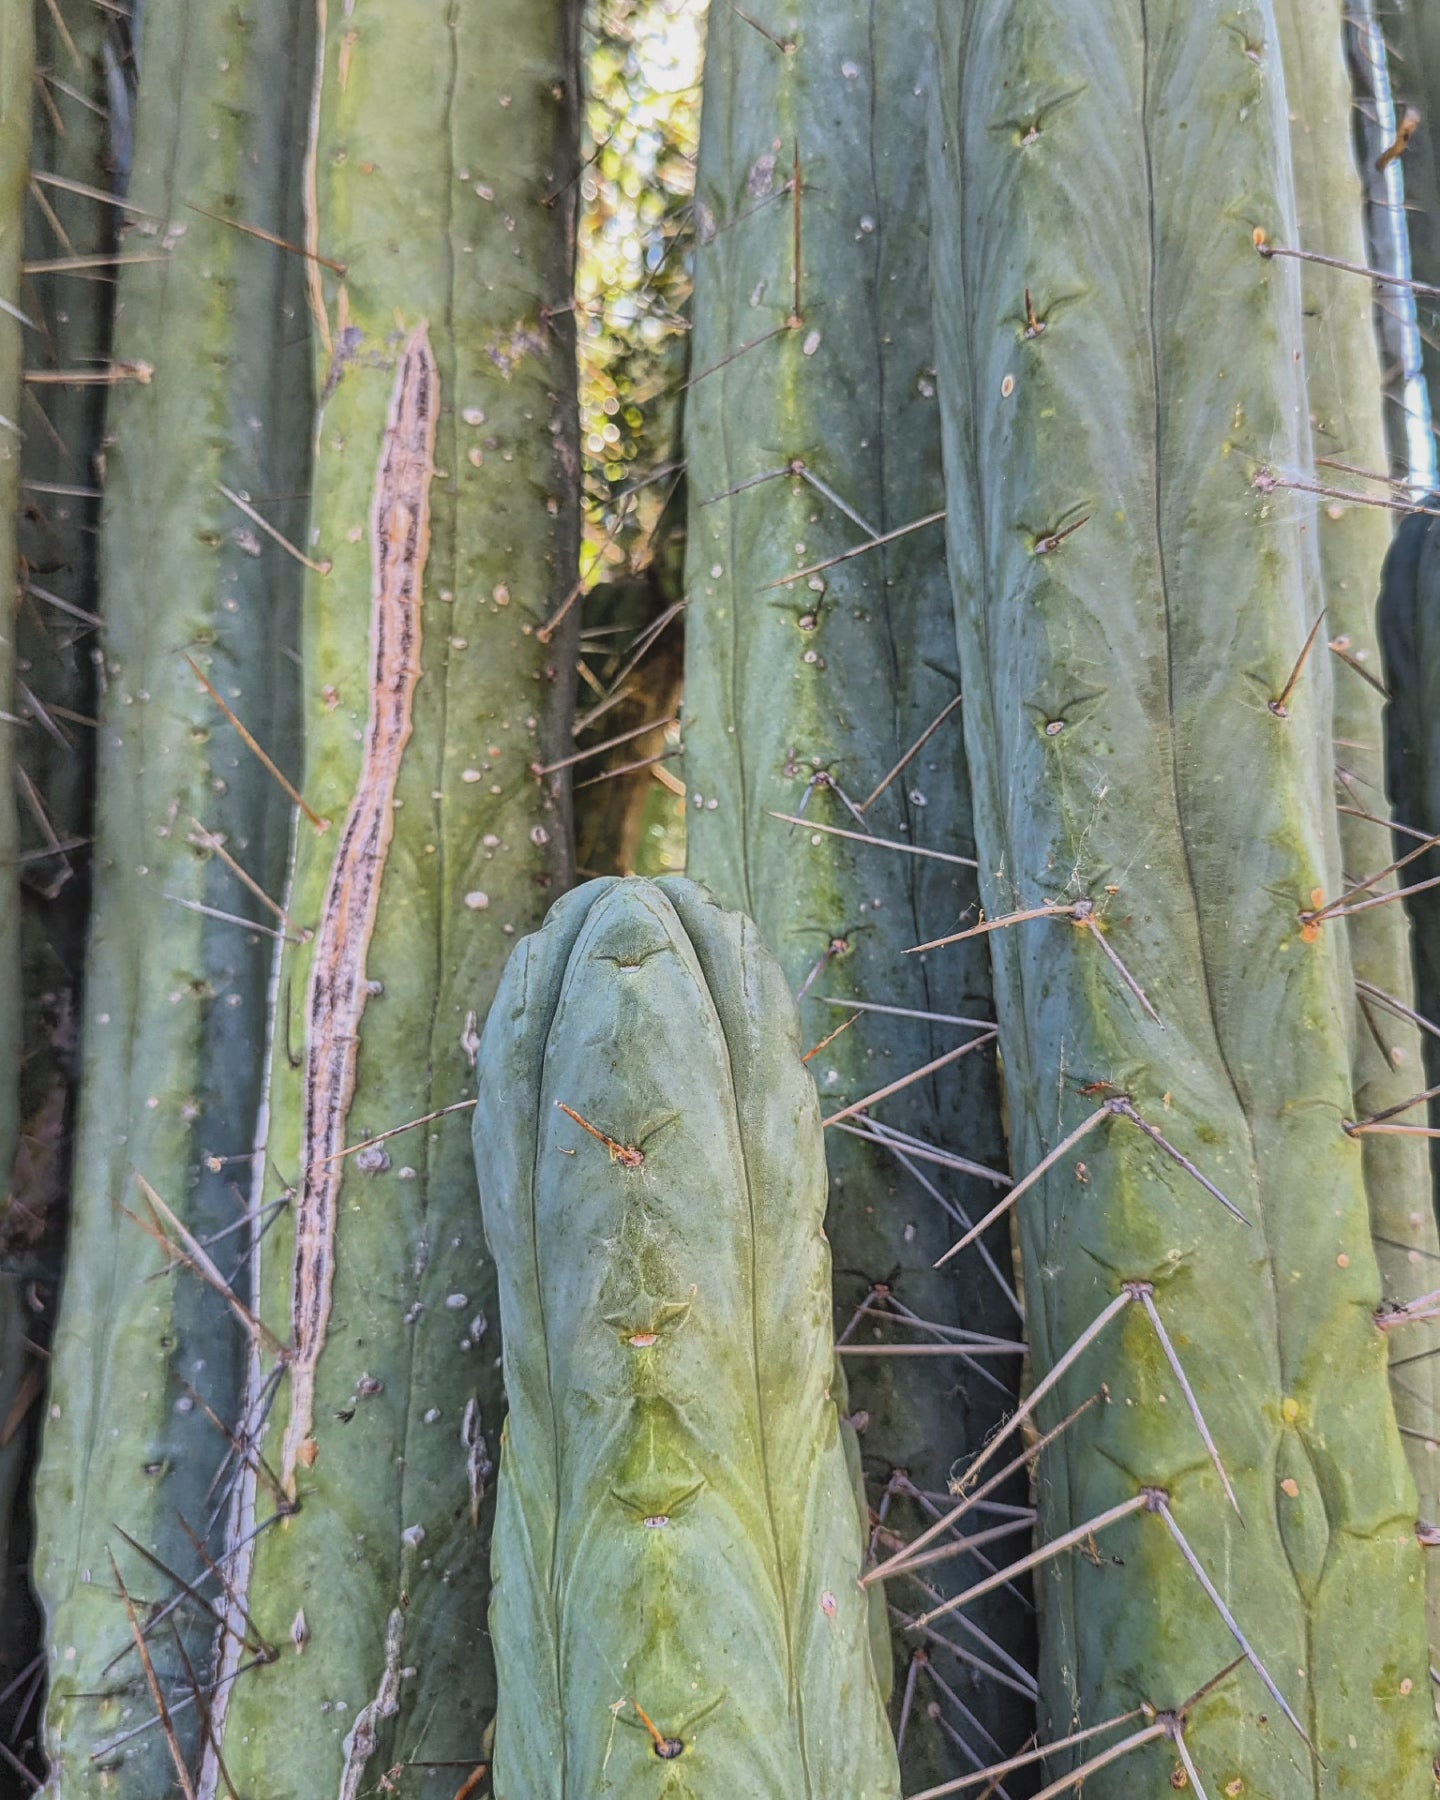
642, 119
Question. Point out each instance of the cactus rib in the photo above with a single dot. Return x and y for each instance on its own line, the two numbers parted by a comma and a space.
821, 729
678, 1541
1114, 353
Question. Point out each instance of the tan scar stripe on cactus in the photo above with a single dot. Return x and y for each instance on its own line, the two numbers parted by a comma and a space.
400, 543
365, 1738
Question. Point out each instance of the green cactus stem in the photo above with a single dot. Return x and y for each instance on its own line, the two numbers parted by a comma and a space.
1124, 404
1343, 388
176, 989
812, 427
436, 699
677, 1608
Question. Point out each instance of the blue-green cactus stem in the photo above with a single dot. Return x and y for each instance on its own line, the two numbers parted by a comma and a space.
678, 1542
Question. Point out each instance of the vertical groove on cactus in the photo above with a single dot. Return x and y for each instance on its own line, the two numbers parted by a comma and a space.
678, 1542
445, 495
812, 426
1343, 390
1120, 375
175, 1003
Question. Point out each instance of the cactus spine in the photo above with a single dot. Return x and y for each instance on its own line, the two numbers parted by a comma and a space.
812, 425
176, 998
677, 1538
444, 503
1120, 383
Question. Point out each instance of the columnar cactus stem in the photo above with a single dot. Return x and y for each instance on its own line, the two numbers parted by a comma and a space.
436, 698
175, 993
812, 425
54, 637
678, 1543
1343, 390
1120, 369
